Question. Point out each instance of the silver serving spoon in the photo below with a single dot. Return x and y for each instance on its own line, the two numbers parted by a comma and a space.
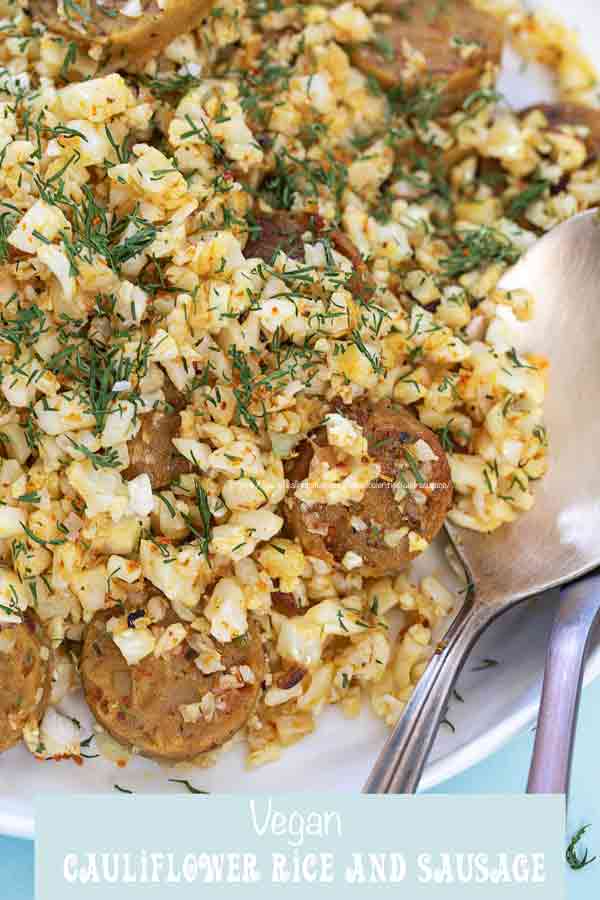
558, 540
577, 613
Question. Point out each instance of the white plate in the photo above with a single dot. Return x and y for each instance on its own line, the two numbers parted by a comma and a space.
498, 702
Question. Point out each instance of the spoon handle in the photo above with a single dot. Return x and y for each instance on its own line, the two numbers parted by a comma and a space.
565, 658
399, 765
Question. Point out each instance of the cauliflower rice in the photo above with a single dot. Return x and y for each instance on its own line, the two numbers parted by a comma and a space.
127, 202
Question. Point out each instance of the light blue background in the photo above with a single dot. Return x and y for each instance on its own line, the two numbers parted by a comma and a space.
505, 772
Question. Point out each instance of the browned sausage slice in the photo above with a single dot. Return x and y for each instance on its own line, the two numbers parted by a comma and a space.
558, 114
25, 669
275, 232
152, 451
329, 531
125, 37
284, 231
456, 40
285, 604
139, 705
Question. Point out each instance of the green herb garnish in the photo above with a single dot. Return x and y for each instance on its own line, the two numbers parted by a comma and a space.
477, 248
578, 862
519, 204
190, 787
486, 663
414, 467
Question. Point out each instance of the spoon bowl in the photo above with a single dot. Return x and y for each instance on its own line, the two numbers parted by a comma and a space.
558, 540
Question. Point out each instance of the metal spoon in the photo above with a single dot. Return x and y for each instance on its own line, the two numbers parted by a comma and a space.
559, 539
578, 611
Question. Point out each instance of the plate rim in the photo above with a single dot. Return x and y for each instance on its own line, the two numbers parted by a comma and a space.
475, 751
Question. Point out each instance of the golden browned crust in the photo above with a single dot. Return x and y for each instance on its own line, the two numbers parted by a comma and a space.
325, 530
439, 32
139, 705
24, 678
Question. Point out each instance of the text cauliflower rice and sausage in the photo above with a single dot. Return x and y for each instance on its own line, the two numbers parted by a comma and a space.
250, 338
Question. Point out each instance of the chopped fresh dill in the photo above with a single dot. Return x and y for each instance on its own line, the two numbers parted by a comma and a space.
190, 787
414, 467
477, 248
486, 663
575, 861
522, 201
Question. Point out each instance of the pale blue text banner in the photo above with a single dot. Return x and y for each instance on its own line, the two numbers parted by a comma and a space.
454, 848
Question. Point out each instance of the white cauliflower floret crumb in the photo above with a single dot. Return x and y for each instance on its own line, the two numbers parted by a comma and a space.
139, 489
40, 223
103, 490
96, 100
181, 573
128, 570
346, 434
56, 736
170, 639
352, 560
351, 23
226, 611
135, 643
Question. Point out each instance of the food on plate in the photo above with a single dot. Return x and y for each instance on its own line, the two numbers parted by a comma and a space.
124, 32
152, 452
254, 350
442, 48
25, 672
568, 119
281, 231
370, 489
172, 693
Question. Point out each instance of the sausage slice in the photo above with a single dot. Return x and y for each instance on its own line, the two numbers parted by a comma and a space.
25, 669
456, 40
278, 231
139, 705
152, 450
285, 603
283, 231
124, 38
329, 531
572, 114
